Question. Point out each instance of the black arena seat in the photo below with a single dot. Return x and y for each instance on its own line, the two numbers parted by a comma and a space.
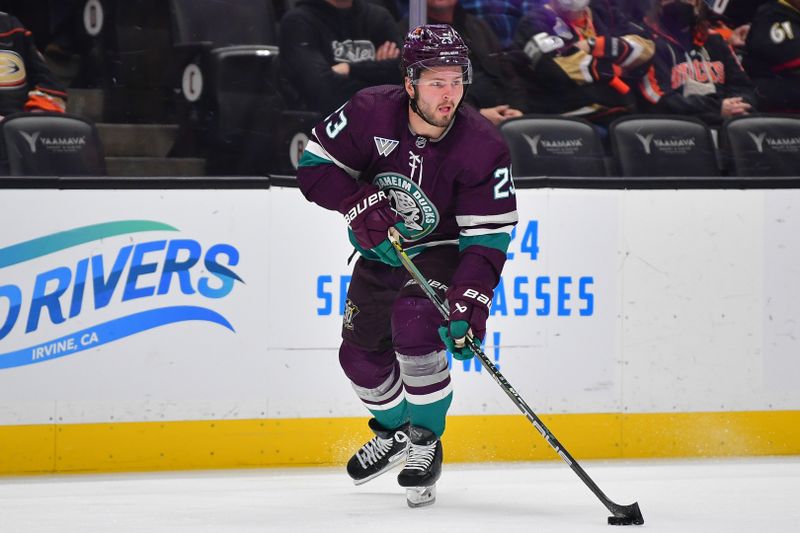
546, 145
663, 146
230, 86
52, 144
762, 145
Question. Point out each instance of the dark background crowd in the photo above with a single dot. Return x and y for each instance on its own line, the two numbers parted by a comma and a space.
594, 59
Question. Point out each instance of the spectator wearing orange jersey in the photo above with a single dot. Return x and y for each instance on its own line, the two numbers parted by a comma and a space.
694, 72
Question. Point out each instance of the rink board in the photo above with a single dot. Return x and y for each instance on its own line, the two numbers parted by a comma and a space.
183, 445
194, 329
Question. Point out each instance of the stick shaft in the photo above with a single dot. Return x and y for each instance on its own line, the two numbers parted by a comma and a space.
441, 305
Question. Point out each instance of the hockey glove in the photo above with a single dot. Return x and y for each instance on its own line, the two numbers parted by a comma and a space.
469, 309
369, 216
541, 45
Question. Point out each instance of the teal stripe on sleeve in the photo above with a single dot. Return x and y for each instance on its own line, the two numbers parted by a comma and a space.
498, 241
310, 160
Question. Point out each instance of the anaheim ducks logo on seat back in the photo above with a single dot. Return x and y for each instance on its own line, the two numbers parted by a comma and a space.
12, 70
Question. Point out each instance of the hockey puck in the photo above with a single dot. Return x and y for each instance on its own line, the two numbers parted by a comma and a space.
623, 521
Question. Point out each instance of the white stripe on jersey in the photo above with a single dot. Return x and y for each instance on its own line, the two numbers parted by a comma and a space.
584, 68
413, 250
316, 149
472, 232
649, 92
636, 52
466, 221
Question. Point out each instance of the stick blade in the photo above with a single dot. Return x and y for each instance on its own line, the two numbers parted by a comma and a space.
626, 515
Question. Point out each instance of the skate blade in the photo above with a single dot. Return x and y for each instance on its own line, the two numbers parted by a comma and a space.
420, 496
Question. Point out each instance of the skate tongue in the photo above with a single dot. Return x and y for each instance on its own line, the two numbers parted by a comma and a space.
420, 435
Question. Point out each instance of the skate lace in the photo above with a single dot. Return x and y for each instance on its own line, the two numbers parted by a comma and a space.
420, 456
374, 450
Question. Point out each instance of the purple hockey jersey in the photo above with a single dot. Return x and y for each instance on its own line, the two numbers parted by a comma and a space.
456, 189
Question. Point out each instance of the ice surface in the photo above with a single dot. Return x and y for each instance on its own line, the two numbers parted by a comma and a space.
708, 496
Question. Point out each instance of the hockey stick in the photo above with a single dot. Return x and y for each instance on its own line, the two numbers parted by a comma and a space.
622, 514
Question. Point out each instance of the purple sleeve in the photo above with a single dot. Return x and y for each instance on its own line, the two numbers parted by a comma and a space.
327, 186
486, 212
331, 166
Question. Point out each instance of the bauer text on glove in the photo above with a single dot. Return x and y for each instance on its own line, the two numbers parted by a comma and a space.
469, 309
369, 215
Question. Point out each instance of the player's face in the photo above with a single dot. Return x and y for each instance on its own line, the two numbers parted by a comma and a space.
439, 92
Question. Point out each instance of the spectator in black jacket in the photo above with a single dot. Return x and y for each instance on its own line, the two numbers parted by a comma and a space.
330, 49
495, 90
26, 82
772, 55
695, 72
576, 61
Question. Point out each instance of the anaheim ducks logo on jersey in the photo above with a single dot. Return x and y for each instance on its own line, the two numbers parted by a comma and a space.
411, 203
12, 70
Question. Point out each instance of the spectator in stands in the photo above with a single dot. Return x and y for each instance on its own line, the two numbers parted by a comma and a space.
34, 16
694, 71
26, 82
772, 55
66, 28
330, 49
735, 34
633, 11
731, 19
575, 64
737, 13
502, 16
495, 90
398, 9
735, 37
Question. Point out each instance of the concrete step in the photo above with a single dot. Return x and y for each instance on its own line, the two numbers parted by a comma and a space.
155, 166
121, 105
137, 140
88, 103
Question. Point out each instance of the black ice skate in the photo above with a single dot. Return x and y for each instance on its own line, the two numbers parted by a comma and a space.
423, 467
387, 449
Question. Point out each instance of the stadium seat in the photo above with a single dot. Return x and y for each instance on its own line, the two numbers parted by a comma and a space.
663, 146
216, 22
52, 144
553, 146
229, 82
128, 50
762, 145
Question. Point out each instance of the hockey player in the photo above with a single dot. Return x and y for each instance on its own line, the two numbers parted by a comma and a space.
412, 158
772, 56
